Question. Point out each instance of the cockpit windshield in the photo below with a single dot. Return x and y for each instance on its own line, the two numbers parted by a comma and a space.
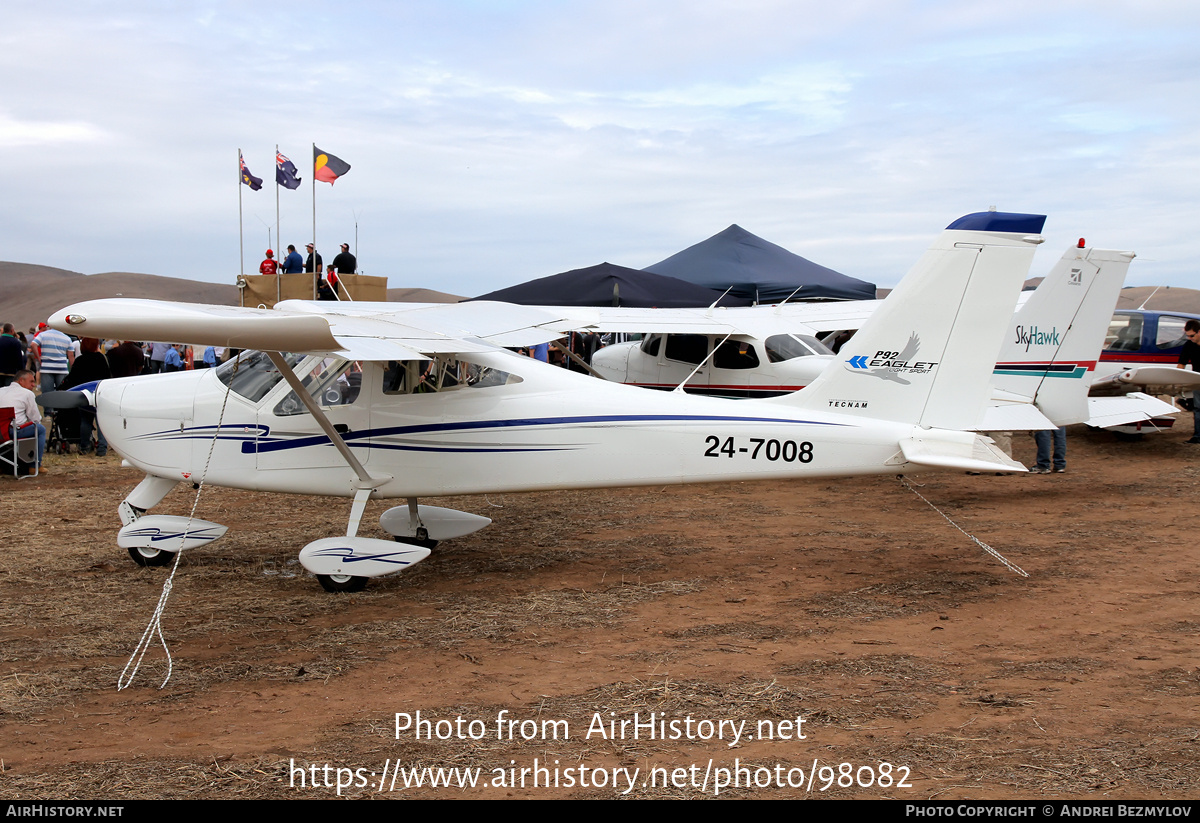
782, 347
252, 374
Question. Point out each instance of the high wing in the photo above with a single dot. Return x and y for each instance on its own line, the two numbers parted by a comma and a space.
391, 333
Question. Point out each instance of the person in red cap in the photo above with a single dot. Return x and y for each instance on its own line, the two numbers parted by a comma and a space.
269, 265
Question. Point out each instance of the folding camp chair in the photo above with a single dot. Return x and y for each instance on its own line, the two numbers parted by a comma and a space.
15, 449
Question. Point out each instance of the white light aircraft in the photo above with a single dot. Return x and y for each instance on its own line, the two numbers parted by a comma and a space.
440, 408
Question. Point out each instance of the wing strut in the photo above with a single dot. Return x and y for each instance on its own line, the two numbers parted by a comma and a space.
365, 481
701, 364
582, 363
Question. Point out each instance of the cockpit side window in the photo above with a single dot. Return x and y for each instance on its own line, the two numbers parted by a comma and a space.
781, 347
1124, 333
440, 374
687, 348
331, 382
735, 354
1170, 332
650, 345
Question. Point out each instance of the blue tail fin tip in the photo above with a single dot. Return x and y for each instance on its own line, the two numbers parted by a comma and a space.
1000, 221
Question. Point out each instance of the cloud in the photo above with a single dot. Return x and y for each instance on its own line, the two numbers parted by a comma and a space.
491, 143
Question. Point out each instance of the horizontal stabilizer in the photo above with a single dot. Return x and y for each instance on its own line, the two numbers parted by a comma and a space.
1134, 407
1154, 376
1013, 417
975, 453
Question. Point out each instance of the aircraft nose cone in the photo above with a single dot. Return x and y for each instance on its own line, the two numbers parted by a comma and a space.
143, 417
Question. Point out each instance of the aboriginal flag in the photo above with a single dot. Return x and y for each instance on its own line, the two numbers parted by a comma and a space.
328, 168
248, 179
285, 172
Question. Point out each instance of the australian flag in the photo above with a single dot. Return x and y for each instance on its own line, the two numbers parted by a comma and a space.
285, 172
248, 179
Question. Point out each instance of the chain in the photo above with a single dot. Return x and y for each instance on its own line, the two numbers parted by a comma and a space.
1009, 565
154, 628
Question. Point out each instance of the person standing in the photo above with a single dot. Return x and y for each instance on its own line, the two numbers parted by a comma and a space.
90, 366
308, 263
345, 262
1051, 443
12, 354
126, 360
173, 360
292, 264
55, 354
1190, 356
158, 356
268, 266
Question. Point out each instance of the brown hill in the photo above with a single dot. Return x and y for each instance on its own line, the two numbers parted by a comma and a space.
35, 292
1164, 298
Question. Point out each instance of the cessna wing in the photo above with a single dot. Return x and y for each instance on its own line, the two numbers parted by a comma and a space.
302, 327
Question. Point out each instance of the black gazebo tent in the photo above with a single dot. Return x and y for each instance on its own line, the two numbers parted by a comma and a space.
610, 285
759, 271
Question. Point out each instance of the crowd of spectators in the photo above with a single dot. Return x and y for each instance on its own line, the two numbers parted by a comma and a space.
44, 360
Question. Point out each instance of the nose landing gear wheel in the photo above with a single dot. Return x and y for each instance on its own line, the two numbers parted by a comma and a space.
151, 557
341, 582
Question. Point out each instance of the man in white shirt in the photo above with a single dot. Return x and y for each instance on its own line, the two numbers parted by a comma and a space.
18, 395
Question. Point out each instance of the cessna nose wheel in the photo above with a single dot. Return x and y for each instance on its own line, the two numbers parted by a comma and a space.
150, 557
341, 582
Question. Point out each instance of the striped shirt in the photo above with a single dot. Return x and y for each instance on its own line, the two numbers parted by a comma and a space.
54, 345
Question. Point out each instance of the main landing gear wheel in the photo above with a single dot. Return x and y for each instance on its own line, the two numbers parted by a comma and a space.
341, 582
151, 557
422, 539
414, 541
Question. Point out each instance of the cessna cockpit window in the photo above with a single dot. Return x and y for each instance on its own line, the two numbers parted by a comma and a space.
735, 354
782, 347
1124, 333
252, 374
687, 348
331, 381
1170, 332
440, 374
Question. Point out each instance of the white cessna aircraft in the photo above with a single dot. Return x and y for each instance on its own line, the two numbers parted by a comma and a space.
440, 408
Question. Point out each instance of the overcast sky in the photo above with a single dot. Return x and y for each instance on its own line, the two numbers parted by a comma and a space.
494, 142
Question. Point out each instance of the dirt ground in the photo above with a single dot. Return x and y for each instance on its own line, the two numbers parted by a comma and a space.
849, 604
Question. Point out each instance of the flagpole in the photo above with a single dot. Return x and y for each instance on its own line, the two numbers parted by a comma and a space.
316, 268
278, 242
241, 242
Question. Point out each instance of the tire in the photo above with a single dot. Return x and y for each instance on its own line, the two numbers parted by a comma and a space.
151, 557
341, 582
415, 541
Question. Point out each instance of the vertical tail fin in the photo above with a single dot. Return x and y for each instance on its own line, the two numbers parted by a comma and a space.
927, 353
1055, 339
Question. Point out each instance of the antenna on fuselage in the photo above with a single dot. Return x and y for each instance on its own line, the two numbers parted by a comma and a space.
1147, 300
